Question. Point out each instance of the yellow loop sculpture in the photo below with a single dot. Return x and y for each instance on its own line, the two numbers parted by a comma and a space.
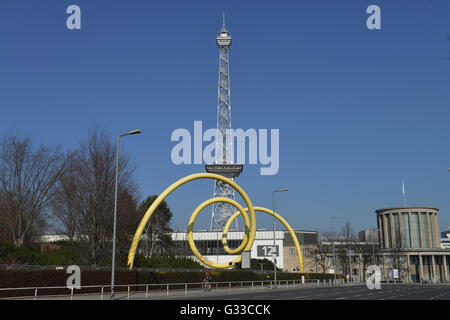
175, 185
250, 224
284, 222
191, 229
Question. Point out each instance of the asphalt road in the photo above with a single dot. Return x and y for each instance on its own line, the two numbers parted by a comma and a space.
356, 292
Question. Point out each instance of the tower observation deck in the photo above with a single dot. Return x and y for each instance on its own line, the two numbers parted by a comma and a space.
223, 164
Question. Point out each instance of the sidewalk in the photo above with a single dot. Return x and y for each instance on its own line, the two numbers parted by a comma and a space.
178, 293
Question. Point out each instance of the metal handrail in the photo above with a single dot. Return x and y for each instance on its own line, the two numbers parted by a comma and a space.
165, 287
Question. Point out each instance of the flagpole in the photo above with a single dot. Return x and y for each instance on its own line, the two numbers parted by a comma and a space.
404, 195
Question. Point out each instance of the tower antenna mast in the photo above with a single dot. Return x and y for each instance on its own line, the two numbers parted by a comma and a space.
224, 144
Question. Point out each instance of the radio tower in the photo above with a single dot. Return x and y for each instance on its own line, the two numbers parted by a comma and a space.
224, 165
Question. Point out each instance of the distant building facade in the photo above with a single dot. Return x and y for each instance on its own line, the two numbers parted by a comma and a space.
410, 243
368, 236
445, 240
209, 244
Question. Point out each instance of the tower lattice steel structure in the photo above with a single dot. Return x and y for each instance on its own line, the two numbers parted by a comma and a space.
224, 162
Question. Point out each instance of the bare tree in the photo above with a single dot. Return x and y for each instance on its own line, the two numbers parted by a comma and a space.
346, 242
27, 177
64, 203
320, 256
369, 251
347, 233
397, 258
84, 197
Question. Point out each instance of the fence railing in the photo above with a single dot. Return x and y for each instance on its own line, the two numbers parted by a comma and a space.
147, 291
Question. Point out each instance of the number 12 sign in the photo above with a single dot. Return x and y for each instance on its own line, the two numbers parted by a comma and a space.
266, 250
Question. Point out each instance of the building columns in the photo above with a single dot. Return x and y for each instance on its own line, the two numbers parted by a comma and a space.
430, 235
380, 232
407, 268
436, 231
433, 278
411, 243
444, 262
388, 243
393, 231
421, 268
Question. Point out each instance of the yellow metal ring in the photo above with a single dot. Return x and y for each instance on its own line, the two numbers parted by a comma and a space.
250, 226
175, 185
191, 229
284, 222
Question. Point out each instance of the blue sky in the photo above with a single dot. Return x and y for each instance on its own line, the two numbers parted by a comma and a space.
358, 110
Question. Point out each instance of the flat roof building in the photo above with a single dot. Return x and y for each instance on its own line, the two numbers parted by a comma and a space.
410, 242
209, 244
408, 227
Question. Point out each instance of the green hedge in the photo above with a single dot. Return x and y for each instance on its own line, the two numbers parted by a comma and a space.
166, 262
65, 255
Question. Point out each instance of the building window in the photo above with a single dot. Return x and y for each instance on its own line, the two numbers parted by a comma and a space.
424, 230
432, 230
388, 218
438, 260
397, 239
405, 222
415, 230
292, 252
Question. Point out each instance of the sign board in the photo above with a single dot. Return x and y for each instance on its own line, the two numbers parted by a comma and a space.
395, 273
350, 253
245, 262
266, 251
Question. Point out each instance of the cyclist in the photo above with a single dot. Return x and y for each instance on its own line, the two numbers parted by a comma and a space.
207, 281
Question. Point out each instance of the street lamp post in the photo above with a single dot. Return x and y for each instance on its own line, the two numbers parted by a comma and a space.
274, 246
332, 241
137, 131
374, 238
